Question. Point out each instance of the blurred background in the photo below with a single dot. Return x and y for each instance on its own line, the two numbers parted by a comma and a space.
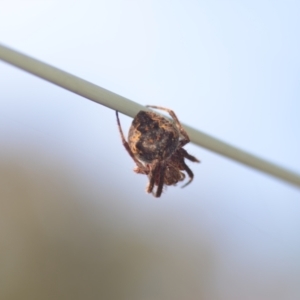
75, 221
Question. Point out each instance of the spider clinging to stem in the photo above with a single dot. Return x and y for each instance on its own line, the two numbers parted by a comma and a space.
155, 143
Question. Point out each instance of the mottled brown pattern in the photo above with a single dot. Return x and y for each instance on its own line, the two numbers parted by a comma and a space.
155, 144
152, 137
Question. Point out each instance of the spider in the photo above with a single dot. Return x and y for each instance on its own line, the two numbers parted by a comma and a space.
155, 143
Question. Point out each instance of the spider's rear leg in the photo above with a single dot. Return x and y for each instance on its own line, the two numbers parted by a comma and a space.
190, 173
184, 154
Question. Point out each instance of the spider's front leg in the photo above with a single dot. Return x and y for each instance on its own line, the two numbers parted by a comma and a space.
190, 173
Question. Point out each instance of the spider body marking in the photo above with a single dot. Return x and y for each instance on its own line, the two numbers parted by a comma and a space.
152, 137
156, 143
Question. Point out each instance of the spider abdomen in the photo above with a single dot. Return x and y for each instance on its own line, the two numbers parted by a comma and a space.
152, 137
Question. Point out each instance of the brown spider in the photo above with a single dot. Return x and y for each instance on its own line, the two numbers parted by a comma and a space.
155, 144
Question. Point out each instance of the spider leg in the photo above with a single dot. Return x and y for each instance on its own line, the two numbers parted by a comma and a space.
162, 170
190, 173
186, 138
152, 176
140, 166
185, 154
